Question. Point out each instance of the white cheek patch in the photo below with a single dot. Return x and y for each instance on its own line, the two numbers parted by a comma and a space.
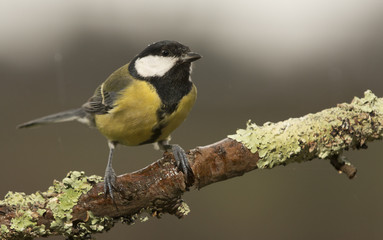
154, 66
190, 72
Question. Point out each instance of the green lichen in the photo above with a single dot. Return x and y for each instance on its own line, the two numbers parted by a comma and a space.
314, 135
4, 229
23, 221
369, 103
68, 193
94, 224
60, 199
22, 200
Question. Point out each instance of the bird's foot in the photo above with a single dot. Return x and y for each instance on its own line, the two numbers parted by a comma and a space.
109, 182
183, 163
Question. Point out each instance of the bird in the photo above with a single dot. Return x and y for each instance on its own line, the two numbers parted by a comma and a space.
140, 103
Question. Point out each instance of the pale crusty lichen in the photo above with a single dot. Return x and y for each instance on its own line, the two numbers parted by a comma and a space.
68, 192
60, 200
94, 224
4, 228
184, 209
24, 218
320, 135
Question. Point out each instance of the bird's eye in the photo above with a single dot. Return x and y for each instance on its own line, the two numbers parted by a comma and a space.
165, 53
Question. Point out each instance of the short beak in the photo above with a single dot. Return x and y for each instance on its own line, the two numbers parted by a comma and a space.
190, 57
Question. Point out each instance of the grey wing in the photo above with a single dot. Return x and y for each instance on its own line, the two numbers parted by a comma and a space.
101, 102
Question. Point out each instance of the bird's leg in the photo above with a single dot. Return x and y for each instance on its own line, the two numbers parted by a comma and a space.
180, 157
110, 176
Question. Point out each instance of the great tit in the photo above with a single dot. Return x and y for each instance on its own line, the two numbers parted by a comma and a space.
141, 102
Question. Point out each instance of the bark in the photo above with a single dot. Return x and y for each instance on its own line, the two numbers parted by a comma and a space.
77, 207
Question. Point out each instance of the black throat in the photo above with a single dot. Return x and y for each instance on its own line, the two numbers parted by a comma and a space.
171, 87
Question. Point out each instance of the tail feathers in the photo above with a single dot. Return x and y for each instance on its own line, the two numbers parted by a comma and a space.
70, 115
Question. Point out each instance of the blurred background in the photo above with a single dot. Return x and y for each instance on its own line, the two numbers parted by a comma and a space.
263, 60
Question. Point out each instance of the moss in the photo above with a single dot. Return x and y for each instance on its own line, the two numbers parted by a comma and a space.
319, 135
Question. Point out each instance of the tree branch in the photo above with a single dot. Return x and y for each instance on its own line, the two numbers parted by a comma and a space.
76, 207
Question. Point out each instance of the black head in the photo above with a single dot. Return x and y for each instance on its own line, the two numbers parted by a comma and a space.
161, 57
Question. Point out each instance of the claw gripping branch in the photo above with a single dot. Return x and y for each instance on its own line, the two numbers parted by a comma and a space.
76, 207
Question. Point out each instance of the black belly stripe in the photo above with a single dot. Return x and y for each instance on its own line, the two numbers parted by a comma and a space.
171, 88
157, 130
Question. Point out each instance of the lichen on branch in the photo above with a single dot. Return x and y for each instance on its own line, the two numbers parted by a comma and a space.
30, 213
77, 207
320, 135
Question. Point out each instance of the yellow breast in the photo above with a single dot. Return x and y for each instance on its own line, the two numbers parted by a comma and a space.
135, 116
132, 120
